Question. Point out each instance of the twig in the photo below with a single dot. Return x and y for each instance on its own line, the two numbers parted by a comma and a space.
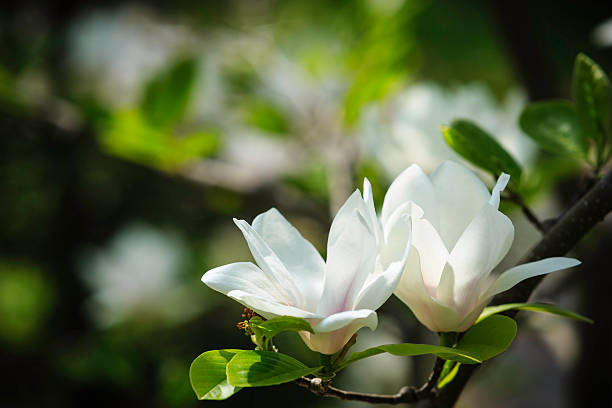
518, 200
404, 395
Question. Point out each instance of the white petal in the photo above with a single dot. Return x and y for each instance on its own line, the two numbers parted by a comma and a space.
243, 276
368, 198
432, 252
460, 195
446, 288
479, 249
351, 253
501, 184
411, 185
271, 265
525, 271
411, 290
398, 233
298, 256
269, 308
333, 332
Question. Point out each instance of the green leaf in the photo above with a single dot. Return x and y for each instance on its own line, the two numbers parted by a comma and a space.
167, 95
489, 337
535, 307
268, 117
412, 349
450, 370
554, 126
261, 368
207, 375
591, 89
480, 148
272, 327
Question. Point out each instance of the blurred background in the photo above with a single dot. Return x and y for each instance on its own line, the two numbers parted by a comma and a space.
133, 132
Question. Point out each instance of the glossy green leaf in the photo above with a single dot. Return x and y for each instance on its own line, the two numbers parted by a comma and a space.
261, 368
481, 149
412, 349
554, 126
168, 94
591, 89
450, 370
272, 327
489, 337
207, 375
535, 307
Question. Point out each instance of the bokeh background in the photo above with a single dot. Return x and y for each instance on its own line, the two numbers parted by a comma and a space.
132, 133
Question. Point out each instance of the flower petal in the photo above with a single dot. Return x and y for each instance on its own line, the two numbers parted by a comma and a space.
244, 276
368, 198
479, 249
351, 253
525, 271
299, 257
270, 308
333, 332
271, 265
411, 290
411, 185
432, 252
460, 195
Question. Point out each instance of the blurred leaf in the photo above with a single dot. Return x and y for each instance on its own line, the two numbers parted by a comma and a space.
591, 89
207, 375
489, 337
535, 307
481, 149
167, 95
266, 116
554, 126
449, 371
129, 136
272, 327
261, 368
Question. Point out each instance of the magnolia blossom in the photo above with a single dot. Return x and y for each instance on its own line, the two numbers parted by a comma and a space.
337, 297
457, 242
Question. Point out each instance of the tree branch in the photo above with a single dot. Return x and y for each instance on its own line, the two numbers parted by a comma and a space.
407, 394
569, 229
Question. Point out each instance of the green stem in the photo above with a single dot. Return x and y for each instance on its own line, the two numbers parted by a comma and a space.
448, 339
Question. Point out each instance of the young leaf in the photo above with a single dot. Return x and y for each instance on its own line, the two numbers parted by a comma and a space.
554, 126
591, 89
450, 370
261, 368
480, 148
272, 327
488, 338
167, 95
535, 307
207, 375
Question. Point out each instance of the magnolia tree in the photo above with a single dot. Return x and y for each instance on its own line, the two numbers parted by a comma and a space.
433, 245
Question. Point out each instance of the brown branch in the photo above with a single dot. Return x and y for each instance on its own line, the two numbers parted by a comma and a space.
569, 229
407, 394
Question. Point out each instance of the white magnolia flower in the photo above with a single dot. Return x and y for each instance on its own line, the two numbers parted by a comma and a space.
456, 244
337, 297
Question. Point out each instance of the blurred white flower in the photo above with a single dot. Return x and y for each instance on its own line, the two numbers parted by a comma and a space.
456, 244
137, 277
407, 128
291, 278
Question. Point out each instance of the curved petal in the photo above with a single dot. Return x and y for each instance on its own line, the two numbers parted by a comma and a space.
299, 257
525, 271
271, 265
411, 185
479, 249
432, 252
269, 308
351, 253
333, 332
368, 198
460, 195
411, 290
244, 276
354, 204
